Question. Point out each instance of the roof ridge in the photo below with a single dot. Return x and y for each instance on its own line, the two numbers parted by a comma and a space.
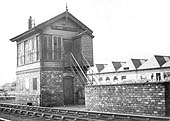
49, 21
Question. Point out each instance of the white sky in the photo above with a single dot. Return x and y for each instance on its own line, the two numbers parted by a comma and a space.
123, 29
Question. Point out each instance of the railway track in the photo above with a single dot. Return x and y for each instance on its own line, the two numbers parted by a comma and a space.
72, 115
3, 119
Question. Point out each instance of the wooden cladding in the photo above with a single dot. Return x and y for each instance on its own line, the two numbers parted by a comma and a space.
51, 47
64, 28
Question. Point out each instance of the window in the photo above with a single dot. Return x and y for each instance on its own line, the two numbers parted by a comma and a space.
126, 68
27, 85
20, 53
57, 48
152, 76
28, 51
21, 85
123, 77
158, 76
34, 50
38, 47
52, 47
100, 79
107, 79
115, 78
166, 75
93, 80
27, 44
143, 76
34, 83
49, 48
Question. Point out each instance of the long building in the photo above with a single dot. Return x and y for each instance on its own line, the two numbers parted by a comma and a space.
155, 69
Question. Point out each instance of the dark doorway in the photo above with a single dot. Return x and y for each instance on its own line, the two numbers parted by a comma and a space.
158, 76
68, 90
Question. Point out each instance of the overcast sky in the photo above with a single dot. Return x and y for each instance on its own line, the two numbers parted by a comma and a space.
123, 29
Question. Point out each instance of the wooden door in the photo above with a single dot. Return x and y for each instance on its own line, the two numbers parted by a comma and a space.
68, 91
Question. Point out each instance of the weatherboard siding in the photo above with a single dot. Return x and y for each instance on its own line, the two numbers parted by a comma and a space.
87, 48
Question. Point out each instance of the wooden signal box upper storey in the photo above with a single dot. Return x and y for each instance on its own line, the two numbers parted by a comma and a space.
53, 40
44, 75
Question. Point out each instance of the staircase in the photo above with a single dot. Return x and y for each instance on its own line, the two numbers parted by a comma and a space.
80, 70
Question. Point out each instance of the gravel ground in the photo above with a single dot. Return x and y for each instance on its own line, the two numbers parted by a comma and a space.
7, 101
19, 118
22, 118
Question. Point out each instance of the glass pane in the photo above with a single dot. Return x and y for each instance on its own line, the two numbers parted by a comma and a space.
34, 83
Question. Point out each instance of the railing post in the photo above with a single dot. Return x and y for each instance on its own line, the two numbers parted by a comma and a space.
73, 65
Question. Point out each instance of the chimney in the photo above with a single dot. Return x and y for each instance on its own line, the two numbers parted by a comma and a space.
30, 23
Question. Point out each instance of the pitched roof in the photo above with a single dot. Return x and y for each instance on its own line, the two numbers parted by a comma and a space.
50, 21
117, 65
92, 70
155, 62
100, 67
132, 64
162, 59
138, 62
128, 66
167, 64
108, 68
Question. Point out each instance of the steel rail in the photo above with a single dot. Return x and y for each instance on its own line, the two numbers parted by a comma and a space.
76, 115
3, 119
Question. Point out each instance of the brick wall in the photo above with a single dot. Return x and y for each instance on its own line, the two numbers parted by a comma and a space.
138, 98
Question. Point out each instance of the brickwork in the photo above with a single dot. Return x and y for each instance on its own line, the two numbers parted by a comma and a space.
78, 91
51, 88
28, 98
24, 90
138, 98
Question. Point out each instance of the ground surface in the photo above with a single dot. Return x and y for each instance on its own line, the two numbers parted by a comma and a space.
7, 101
22, 118
18, 118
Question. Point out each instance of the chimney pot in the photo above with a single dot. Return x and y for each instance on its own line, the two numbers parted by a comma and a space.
30, 23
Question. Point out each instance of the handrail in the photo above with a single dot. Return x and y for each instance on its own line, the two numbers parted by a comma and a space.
85, 60
89, 66
78, 66
78, 73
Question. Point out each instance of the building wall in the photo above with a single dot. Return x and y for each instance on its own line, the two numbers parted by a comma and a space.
51, 88
79, 94
24, 88
87, 48
132, 76
139, 98
77, 49
55, 40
